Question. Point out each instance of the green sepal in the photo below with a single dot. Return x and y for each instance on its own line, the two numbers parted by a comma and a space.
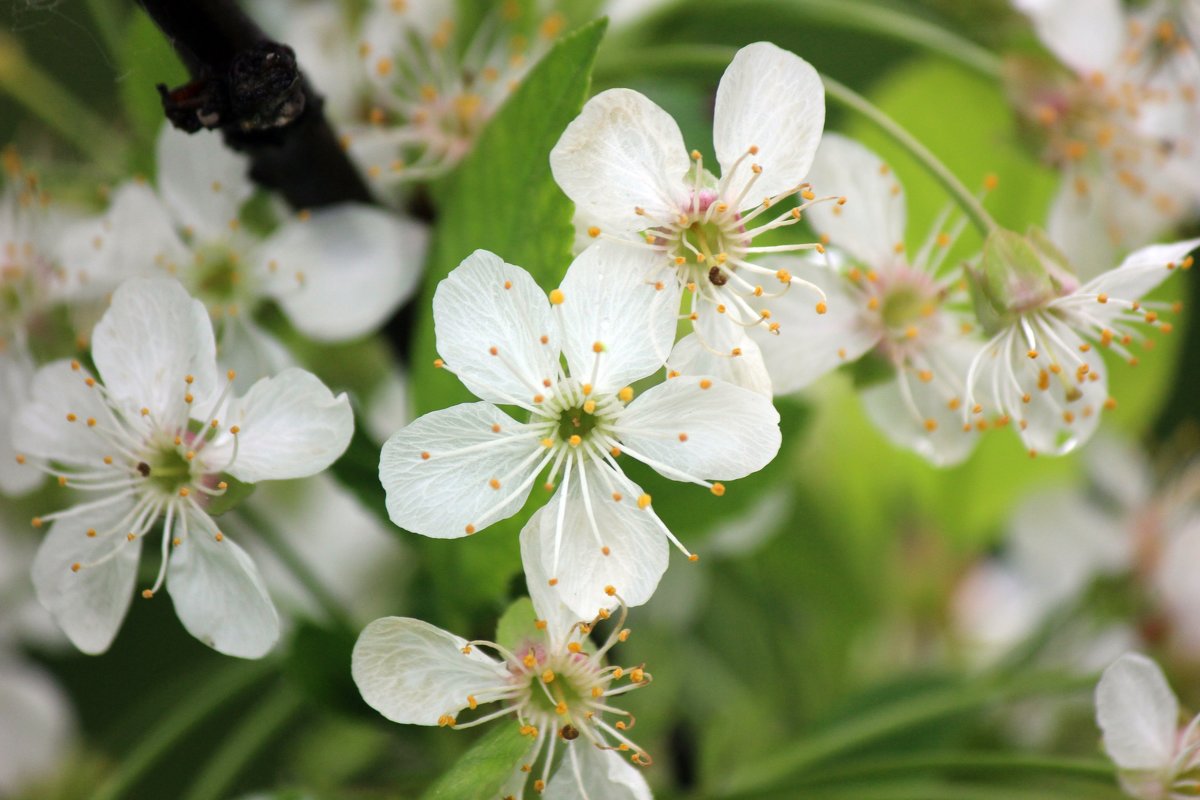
482, 770
236, 492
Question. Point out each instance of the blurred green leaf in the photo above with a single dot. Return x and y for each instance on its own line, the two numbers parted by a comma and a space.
483, 769
358, 471
146, 60
318, 663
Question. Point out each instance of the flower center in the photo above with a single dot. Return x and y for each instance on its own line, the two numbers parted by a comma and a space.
577, 422
166, 468
218, 276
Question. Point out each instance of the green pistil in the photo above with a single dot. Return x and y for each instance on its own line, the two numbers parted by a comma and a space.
169, 470
576, 422
903, 307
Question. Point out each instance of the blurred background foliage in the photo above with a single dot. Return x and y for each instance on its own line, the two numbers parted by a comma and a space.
822, 598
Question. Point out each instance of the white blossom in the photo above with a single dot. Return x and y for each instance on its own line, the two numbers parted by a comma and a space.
1120, 123
432, 91
454, 472
906, 311
1139, 715
555, 682
1043, 369
337, 273
152, 436
623, 163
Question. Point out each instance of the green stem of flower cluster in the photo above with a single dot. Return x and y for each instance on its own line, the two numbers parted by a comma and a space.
871, 18
254, 732
177, 722
689, 59
65, 114
792, 760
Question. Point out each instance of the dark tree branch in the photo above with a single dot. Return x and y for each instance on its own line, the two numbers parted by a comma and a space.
252, 90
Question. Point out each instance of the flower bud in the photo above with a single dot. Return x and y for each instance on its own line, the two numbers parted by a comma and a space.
1016, 274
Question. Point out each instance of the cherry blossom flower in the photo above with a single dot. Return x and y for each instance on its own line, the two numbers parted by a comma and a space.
432, 90
905, 312
1120, 123
624, 164
554, 681
1042, 368
32, 283
337, 273
454, 472
1139, 715
1123, 530
153, 436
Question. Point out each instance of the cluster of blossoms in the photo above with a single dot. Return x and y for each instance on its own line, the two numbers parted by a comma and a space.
179, 395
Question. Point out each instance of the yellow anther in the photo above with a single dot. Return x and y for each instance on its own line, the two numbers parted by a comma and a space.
637, 675
643, 501
783, 276
469, 529
561, 708
76, 567
557, 297
705, 383
610, 590
71, 417
495, 484
184, 492
575, 647
808, 194
616, 496
547, 442
718, 489
438, 363
822, 308
220, 537
529, 660
575, 440
590, 407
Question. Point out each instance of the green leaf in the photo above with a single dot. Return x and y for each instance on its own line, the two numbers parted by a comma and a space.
146, 61
358, 471
517, 625
318, 664
503, 197
483, 769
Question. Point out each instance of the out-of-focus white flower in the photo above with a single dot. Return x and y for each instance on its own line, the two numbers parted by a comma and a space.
36, 722
904, 311
348, 548
1139, 715
454, 472
1061, 541
337, 273
153, 439
555, 683
432, 90
1121, 124
1042, 369
624, 164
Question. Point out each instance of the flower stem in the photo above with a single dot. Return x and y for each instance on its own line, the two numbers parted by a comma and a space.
296, 564
970, 204
205, 699
255, 731
65, 114
688, 59
789, 761
864, 17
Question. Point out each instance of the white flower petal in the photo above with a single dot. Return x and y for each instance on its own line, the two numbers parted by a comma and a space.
485, 305
547, 603
389, 31
413, 673
681, 428
610, 299
1062, 412
357, 265
218, 593
622, 153
16, 378
773, 100
151, 338
1138, 713
572, 554
35, 726
872, 221
450, 490
202, 181
251, 351
292, 426
1086, 35
388, 406
690, 356
588, 773
1062, 540
930, 425
135, 237
1138, 275
88, 604
810, 345
43, 428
